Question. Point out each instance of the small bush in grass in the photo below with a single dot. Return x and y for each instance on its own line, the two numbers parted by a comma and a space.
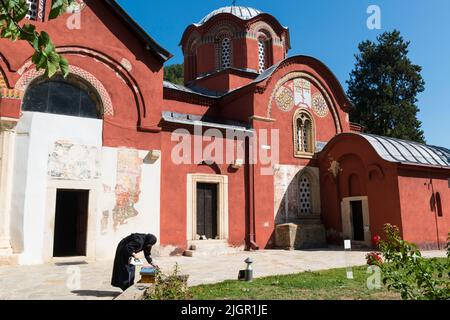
405, 270
170, 287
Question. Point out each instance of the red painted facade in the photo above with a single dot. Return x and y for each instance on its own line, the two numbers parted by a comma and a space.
132, 74
400, 194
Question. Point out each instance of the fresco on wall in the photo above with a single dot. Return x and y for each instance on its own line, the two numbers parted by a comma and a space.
104, 222
70, 161
300, 93
286, 199
128, 186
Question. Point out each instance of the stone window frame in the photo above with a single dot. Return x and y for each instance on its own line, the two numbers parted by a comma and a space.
299, 151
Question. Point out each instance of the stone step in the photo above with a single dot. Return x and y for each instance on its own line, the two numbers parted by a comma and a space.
207, 245
209, 248
221, 252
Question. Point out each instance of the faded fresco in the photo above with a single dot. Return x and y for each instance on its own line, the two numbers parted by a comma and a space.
286, 201
69, 161
128, 186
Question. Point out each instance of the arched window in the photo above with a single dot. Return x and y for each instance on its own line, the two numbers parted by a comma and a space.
303, 134
264, 50
261, 55
192, 62
71, 97
32, 9
305, 205
439, 205
225, 53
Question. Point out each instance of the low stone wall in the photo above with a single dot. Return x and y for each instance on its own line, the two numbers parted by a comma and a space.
135, 292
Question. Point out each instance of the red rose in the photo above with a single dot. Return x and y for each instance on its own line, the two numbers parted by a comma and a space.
374, 258
376, 240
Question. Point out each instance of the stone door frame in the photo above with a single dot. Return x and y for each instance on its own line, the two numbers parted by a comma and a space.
222, 204
347, 222
50, 212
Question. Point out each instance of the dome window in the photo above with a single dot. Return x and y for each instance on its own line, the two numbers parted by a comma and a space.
226, 53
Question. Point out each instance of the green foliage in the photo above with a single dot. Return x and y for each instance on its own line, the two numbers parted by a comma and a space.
174, 73
170, 287
406, 271
45, 57
384, 86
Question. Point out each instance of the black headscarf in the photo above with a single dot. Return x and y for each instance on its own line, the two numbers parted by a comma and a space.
150, 240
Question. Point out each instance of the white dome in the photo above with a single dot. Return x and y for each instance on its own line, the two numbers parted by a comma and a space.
244, 13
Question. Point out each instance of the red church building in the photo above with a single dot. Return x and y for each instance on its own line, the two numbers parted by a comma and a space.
254, 151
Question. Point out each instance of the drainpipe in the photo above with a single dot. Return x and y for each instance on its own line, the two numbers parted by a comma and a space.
251, 237
433, 195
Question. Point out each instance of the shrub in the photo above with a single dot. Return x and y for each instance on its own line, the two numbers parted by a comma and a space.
405, 270
170, 287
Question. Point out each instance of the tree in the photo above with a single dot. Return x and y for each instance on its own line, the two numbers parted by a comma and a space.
174, 73
45, 56
384, 86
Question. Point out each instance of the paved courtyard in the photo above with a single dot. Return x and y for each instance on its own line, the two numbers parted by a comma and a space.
58, 281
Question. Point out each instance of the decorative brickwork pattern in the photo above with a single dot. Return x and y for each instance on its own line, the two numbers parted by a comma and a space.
6, 92
32, 74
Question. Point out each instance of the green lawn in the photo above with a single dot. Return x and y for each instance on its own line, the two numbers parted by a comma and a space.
323, 285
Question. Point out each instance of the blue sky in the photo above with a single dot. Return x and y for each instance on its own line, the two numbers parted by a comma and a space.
330, 30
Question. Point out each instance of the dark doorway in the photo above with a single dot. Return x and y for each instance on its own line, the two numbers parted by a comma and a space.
357, 220
207, 210
71, 223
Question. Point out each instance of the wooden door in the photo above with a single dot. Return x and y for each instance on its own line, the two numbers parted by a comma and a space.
207, 210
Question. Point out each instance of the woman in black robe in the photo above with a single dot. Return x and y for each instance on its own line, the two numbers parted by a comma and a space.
123, 271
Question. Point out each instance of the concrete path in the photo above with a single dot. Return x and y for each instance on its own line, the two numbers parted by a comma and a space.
60, 281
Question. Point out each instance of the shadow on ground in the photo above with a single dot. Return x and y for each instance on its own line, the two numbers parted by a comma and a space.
97, 293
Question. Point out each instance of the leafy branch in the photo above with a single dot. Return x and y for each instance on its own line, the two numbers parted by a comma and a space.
45, 56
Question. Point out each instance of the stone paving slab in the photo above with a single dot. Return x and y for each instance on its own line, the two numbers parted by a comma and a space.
58, 281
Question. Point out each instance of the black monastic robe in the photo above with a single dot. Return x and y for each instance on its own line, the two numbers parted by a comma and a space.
124, 273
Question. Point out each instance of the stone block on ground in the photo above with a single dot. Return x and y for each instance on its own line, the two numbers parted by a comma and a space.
285, 236
310, 236
298, 236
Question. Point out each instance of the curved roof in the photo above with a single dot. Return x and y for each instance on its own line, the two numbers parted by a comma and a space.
260, 78
403, 151
244, 13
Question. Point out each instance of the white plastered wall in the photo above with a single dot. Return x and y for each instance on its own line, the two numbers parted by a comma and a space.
34, 186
